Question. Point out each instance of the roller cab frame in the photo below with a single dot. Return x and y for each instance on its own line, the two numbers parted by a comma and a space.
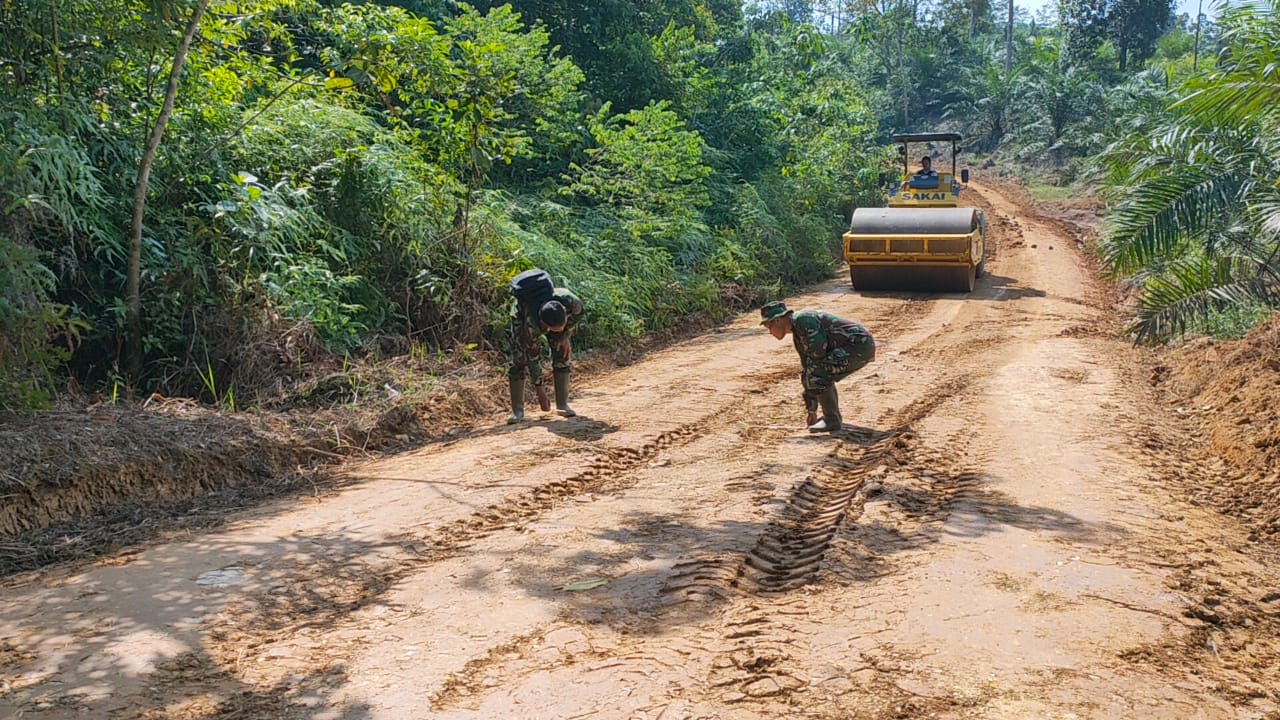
922, 240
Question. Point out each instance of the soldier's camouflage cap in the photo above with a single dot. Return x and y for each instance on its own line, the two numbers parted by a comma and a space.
773, 311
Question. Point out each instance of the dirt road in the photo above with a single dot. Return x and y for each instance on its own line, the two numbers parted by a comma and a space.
1000, 534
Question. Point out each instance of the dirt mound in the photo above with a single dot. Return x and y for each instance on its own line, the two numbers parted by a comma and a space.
1232, 389
84, 482
65, 464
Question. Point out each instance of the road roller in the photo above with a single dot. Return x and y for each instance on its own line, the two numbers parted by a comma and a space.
923, 240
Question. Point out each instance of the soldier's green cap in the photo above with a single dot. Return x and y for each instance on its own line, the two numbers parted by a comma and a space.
773, 311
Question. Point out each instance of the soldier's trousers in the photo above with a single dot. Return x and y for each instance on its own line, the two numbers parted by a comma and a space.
527, 353
840, 363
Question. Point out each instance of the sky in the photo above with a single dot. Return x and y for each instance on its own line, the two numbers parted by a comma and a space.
1179, 6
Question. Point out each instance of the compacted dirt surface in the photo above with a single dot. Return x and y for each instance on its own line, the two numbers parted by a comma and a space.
1007, 528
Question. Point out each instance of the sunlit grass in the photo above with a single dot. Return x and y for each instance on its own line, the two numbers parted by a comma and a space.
1040, 191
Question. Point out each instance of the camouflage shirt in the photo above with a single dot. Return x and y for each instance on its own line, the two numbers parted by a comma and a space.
824, 339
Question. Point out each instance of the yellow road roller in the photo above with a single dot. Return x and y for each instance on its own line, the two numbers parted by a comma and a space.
923, 240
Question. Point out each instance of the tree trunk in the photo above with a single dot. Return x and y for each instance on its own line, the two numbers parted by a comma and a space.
1195, 53
1008, 43
133, 282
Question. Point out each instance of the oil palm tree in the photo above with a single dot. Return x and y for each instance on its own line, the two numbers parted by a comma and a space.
987, 97
1196, 218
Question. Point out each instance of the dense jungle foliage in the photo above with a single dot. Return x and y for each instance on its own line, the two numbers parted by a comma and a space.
202, 194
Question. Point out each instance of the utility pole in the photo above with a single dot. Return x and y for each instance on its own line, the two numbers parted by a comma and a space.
1008, 43
1195, 54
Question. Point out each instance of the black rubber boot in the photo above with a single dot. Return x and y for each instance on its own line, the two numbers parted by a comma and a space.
517, 401
830, 420
561, 378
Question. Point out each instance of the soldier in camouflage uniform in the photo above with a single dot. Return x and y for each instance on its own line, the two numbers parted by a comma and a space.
556, 319
830, 349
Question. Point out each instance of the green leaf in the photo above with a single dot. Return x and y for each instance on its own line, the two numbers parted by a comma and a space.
587, 584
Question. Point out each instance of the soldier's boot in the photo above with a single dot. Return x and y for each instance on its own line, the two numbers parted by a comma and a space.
562, 393
830, 420
544, 403
517, 401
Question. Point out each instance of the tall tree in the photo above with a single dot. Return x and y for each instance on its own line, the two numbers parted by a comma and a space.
1084, 27
1136, 25
1008, 43
611, 39
134, 274
1133, 26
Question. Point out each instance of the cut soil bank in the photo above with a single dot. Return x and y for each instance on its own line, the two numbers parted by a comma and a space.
78, 484
1232, 392
66, 466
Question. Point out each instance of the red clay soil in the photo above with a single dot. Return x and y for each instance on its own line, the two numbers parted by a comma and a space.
1233, 390
96, 479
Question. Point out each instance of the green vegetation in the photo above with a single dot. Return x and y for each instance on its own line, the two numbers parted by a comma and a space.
324, 180
1196, 218
331, 175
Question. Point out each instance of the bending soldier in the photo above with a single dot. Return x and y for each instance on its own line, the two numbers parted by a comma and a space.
830, 350
552, 312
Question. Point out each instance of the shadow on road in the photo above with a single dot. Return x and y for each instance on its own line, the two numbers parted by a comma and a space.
987, 288
203, 616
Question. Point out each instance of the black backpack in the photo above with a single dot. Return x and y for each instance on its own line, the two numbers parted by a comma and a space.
532, 288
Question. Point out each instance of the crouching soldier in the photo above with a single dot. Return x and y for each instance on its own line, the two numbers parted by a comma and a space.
541, 309
830, 349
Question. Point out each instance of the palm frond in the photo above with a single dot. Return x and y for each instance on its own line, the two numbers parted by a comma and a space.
1247, 85
1193, 288
1235, 100
1156, 219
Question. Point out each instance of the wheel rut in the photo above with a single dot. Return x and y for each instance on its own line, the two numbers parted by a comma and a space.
512, 512
765, 613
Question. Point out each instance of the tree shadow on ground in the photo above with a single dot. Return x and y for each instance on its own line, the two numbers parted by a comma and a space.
206, 629
578, 428
988, 288
302, 591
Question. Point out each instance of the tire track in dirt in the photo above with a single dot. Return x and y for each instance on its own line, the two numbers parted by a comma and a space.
754, 659
351, 584
790, 550
513, 512
912, 502
344, 585
917, 484
787, 555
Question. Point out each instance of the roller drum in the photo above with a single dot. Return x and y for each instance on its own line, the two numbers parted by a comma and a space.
914, 221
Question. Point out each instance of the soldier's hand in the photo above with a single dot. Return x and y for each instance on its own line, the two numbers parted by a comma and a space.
565, 346
810, 418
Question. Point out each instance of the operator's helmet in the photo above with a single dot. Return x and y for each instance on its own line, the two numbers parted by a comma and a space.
552, 313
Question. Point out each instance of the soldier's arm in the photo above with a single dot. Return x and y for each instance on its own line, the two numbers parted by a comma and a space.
574, 309
812, 341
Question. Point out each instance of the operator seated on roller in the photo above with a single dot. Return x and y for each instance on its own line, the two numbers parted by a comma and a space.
926, 178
